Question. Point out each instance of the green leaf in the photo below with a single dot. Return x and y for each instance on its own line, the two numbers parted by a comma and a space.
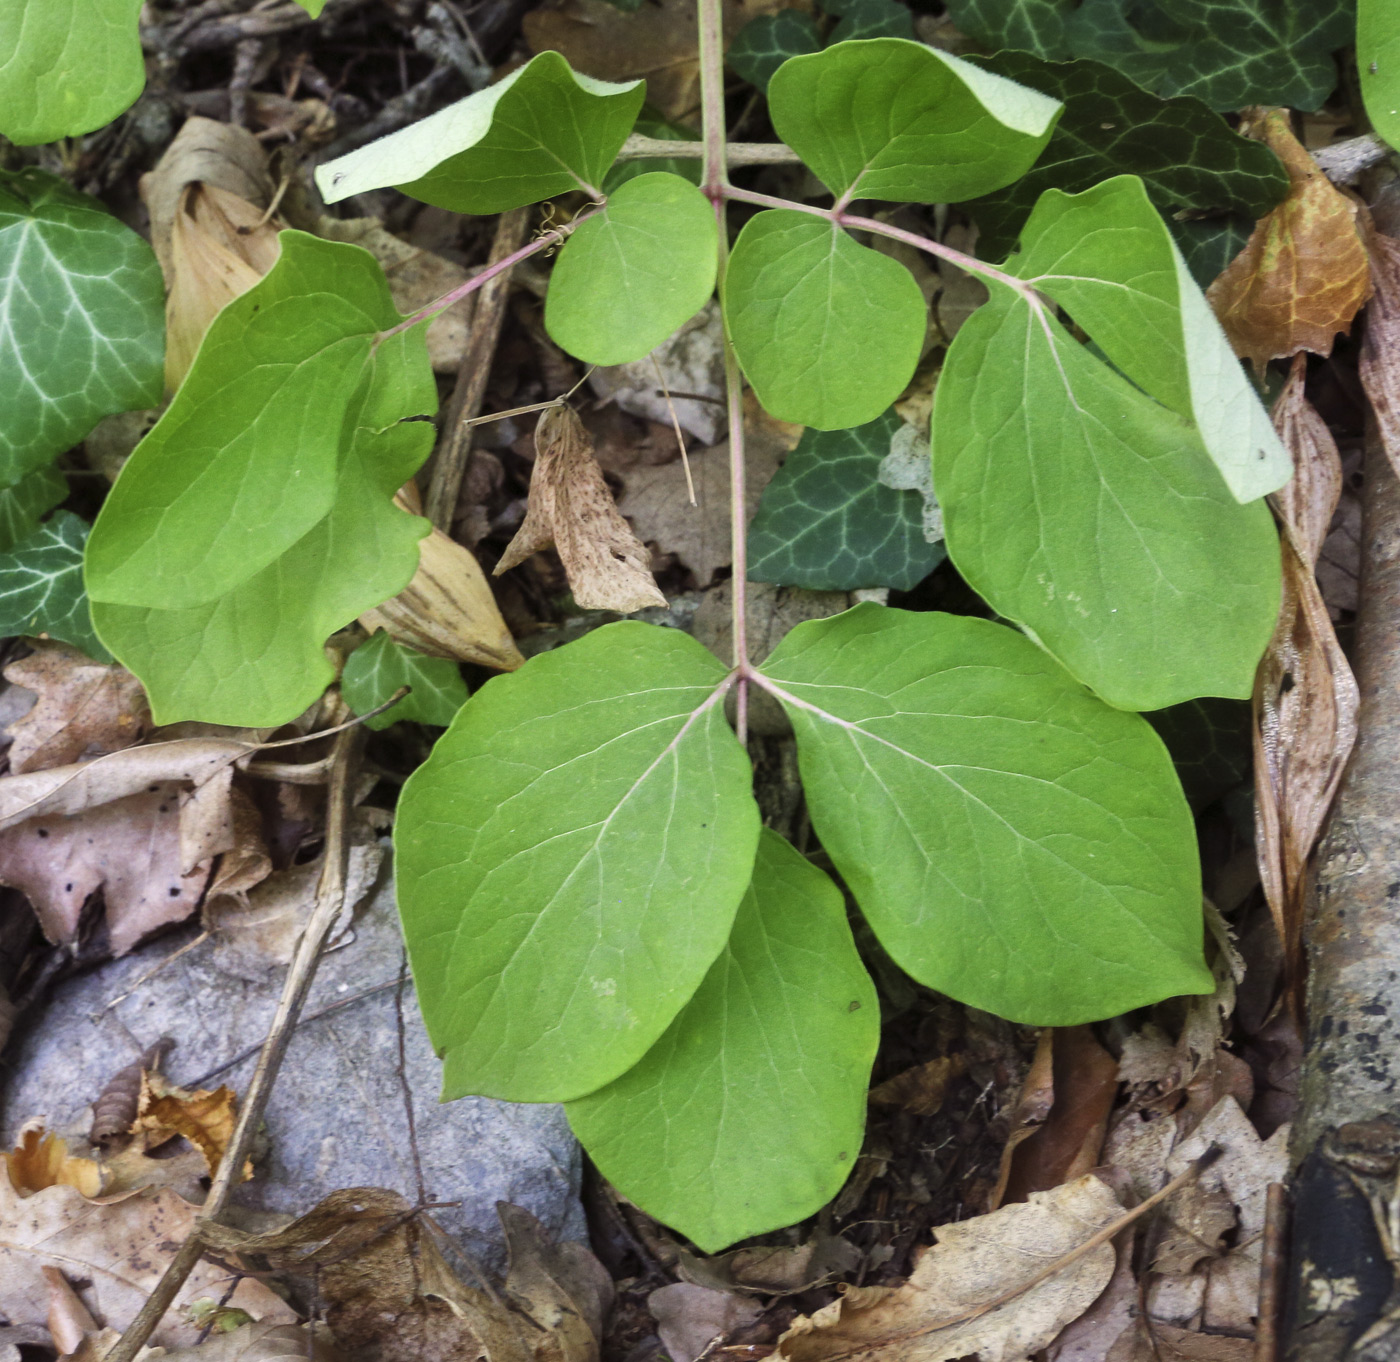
1012, 841
651, 124
1208, 245
67, 66
634, 273
256, 518
766, 42
82, 319
1210, 744
541, 131
1378, 61
827, 522
1186, 155
747, 1115
376, 669
827, 331
22, 505
41, 586
570, 859
888, 119
313, 7
871, 19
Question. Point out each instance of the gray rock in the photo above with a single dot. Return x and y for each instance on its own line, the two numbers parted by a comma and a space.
337, 1114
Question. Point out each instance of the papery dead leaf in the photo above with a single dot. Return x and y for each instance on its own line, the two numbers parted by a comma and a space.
206, 1119
772, 1269
117, 1104
1166, 1343
920, 1090
42, 1160
972, 1263
218, 819
1304, 274
1380, 351
1032, 1107
262, 1342
570, 507
689, 1318
70, 1321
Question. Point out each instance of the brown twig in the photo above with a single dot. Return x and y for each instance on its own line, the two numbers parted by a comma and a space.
1271, 1267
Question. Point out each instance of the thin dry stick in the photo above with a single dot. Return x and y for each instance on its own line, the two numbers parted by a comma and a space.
330, 896
676, 426
440, 505
1271, 1268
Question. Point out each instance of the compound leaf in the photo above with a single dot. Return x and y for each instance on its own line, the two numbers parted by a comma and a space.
827, 522
827, 331
766, 42
748, 1113
67, 66
889, 119
41, 586
541, 131
1011, 840
1378, 61
376, 669
570, 859
22, 505
635, 272
82, 319
256, 518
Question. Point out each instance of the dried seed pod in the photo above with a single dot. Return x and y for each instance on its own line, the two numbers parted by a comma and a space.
117, 1104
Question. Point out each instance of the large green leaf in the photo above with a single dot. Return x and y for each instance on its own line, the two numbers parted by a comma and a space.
827, 522
381, 666
570, 859
1378, 61
766, 42
827, 331
256, 518
22, 505
747, 1114
1012, 841
66, 66
542, 130
41, 586
890, 119
635, 273
82, 319
1186, 155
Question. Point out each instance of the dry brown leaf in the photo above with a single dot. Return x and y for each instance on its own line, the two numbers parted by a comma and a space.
219, 819
70, 1321
920, 1090
1033, 1104
262, 1342
42, 1160
1304, 273
206, 1119
1380, 351
772, 1269
1170, 1344
1090, 1337
570, 507
84, 708
689, 1318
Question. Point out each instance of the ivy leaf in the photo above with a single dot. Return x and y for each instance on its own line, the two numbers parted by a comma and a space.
376, 669
22, 505
41, 586
827, 522
1208, 245
1378, 61
570, 860
256, 518
870, 19
1011, 840
542, 130
651, 124
1186, 155
787, 1014
82, 319
888, 119
67, 67
635, 273
766, 42
1209, 742
827, 331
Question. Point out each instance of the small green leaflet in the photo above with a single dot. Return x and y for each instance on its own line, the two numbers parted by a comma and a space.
82, 319
1011, 840
634, 272
1186, 155
747, 1115
889, 119
827, 522
570, 860
541, 131
376, 669
1378, 62
67, 66
827, 331
766, 42
22, 505
256, 518
41, 586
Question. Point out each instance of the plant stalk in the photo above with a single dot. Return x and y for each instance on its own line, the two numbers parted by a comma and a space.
640, 147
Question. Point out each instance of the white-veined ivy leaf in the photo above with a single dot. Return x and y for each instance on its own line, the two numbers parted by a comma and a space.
569, 862
890, 119
542, 130
827, 522
1209, 245
1108, 258
827, 331
256, 518
82, 320
767, 41
634, 273
787, 1012
1088, 513
22, 505
379, 667
869, 19
67, 66
41, 586
651, 124
1012, 841
1378, 62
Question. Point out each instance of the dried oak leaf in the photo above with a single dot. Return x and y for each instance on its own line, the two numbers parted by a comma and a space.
206, 1119
1304, 273
1380, 351
570, 507
42, 1160
689, 1318
262, 1342
69, 1320
974, 1262
920, 1090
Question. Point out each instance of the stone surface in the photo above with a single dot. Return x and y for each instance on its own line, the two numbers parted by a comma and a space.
337, 1114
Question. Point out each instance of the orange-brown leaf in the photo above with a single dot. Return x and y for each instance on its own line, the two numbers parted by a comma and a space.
206, 1119
42, 1160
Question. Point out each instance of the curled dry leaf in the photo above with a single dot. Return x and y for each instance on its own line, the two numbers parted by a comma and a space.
1380, 352
690, 1318
117, 1104
920, 1090
1303, 274
206, 1119
570, 507
42, 1160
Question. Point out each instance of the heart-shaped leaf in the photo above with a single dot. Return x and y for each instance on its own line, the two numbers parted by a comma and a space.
766, 42
41, 586
1378, 62
376, 669
22, 505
